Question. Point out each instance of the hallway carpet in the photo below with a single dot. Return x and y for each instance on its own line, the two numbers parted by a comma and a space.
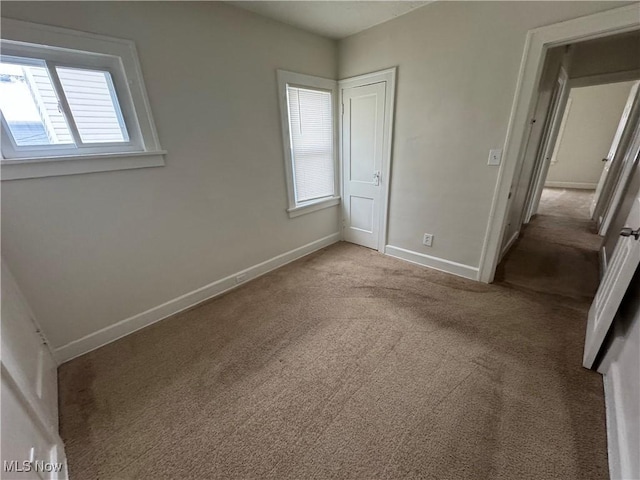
557, 252
345, 364
566, 202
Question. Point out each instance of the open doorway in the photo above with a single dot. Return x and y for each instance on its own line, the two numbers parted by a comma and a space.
558, 249
570, 226
582, 121
592, 118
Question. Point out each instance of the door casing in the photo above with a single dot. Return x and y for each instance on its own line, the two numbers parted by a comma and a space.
538, 41
388, 76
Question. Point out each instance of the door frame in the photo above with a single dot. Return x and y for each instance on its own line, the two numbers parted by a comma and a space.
537, 42
607, 178
629, 163
552, 133
547, 144
389, 76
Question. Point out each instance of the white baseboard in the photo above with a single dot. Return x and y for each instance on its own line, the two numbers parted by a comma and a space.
509, 244
578, 185
436, 263
129, 325
616, 435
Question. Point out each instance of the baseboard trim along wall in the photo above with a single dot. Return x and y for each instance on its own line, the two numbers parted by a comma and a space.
436, 263
129, 325
617, 449
578, 185
509, 244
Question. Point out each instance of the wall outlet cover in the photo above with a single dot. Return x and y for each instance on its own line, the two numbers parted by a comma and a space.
495, 156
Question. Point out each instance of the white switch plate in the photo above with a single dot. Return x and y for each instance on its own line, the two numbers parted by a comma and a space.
495, 156
427, 239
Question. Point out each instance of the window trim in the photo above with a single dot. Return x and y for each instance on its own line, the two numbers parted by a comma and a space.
286, 78
69, 48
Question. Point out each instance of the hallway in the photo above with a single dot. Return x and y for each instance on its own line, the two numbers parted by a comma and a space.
557, 252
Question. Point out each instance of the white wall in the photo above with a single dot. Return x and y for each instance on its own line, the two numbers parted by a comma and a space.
457, 68
91, 250
591, 121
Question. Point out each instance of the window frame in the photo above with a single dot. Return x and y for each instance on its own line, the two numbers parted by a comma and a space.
64, 48
286, 79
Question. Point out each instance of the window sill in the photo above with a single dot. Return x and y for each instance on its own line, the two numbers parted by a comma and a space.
313, 206
22, 168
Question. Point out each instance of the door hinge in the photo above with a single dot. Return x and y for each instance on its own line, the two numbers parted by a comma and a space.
42, 337
343, 108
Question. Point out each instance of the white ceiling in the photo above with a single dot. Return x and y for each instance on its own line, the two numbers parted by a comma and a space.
333, 19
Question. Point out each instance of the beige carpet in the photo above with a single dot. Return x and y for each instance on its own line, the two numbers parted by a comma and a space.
566, 202
557, 253
346, 364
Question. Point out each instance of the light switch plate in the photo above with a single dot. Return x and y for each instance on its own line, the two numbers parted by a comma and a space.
495, 156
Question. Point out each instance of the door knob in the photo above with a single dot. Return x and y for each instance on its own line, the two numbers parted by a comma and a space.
629, 232
376, 177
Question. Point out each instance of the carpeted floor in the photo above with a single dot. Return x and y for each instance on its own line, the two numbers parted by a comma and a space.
557, 253
565, 202
351, 364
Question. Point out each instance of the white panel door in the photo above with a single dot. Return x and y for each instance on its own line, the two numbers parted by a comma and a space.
362, 157
603, 190
614, 284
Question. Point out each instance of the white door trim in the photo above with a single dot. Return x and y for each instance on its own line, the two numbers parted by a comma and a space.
616, 156
629, 163
537, 42
549, 139
388, 76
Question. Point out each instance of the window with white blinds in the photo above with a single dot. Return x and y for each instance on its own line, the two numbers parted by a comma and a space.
311, 130
71, 95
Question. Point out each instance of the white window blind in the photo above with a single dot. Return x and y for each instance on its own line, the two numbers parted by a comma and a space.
311, 130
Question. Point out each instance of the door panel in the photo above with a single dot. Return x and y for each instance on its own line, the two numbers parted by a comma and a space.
614, 284
362, 154
363, 144
362, 214
613, 160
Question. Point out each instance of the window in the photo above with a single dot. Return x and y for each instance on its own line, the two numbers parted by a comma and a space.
308, 125
71, 102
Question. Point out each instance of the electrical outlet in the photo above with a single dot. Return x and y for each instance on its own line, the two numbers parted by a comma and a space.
241, 278
427, 239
